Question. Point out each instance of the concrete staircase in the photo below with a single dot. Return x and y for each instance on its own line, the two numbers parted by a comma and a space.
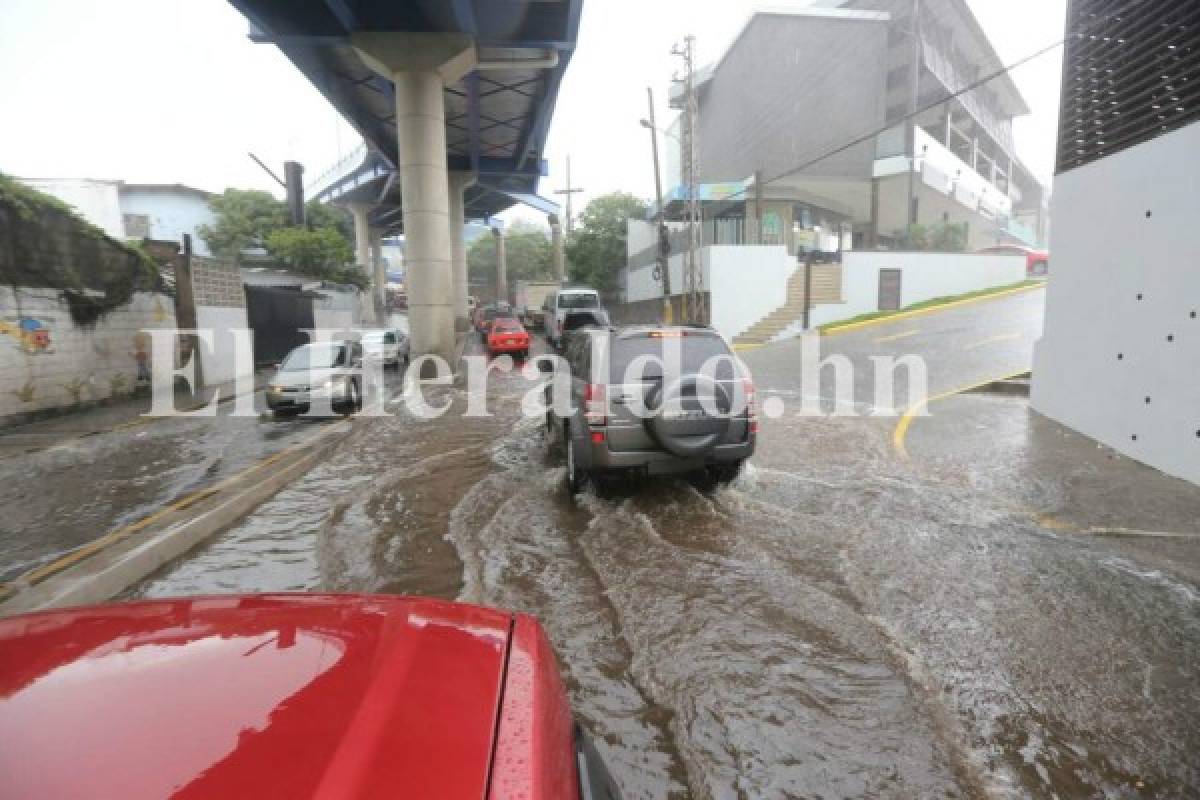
826, 288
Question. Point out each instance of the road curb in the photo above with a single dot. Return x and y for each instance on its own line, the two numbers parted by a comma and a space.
184, 525
834, 328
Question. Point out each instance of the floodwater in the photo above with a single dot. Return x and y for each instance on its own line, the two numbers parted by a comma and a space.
835, 624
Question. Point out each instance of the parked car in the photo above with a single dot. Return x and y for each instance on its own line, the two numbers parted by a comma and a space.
508, 335
646, 421
1037, 262
324, 374
288, 695
488, 314
557, 305
391, 346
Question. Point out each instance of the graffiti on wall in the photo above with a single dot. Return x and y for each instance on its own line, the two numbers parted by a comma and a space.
32, 335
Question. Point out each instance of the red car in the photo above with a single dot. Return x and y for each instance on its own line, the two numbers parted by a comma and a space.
1037, 262
508, 335
287, 696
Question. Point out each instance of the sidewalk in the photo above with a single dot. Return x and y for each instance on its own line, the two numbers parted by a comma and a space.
124, 413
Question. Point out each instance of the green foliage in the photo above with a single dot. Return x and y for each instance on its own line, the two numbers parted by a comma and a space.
250, 218
596, 251
44, 243
941, 237
527, 252
323, 215
948, 237
322, 253
245, 217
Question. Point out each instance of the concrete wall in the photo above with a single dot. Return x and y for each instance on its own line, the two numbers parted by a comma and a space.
925, 276
48, 362
220, 306
746, 283
792, 86
173, 211
1120, 354
339, 310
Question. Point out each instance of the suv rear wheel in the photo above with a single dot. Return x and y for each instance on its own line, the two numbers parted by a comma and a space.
576, 477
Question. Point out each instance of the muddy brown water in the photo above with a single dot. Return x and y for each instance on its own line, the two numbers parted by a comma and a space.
825, 627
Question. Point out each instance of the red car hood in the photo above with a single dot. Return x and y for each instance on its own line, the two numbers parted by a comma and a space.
288, 696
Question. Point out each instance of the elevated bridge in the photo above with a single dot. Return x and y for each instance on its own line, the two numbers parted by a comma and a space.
453, 99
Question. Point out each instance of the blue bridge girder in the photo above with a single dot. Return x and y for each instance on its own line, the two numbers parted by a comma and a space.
496, 120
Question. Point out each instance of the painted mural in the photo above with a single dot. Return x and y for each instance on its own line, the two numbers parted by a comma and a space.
31, 334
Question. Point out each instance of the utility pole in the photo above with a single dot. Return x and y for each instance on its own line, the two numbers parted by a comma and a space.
568, 191
663, 238
692, 279
910, 124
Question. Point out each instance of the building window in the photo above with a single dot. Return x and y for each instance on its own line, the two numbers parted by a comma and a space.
137, 226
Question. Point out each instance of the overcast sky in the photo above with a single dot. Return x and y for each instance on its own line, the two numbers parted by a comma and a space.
172, 91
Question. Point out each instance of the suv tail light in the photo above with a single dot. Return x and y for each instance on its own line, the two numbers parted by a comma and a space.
594, 406
751, 404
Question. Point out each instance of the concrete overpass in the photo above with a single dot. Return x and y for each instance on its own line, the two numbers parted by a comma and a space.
453, 99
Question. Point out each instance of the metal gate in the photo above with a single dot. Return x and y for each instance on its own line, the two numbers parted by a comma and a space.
277, 315
889, 289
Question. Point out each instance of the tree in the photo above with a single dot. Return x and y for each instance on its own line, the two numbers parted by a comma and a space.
324, 215
245, 217
321, 253
596, 251
527, 254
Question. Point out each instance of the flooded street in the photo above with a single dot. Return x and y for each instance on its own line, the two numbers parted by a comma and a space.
837, 623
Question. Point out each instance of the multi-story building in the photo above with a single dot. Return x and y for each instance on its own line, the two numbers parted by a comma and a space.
850, 113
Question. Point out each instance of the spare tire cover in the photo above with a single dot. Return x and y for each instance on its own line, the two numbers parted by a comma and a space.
678, 421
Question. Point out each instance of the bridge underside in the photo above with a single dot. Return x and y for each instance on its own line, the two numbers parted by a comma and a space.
453, 99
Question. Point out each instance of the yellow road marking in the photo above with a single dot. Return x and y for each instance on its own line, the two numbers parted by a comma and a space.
896, 336
853, 326
1007, 337
747, 346
112, 537
901, 430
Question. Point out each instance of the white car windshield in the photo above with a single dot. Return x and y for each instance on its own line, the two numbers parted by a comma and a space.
314, 356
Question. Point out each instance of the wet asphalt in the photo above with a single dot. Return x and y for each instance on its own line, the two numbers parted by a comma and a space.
840, 622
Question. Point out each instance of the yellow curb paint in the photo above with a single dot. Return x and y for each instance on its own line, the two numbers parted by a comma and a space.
896, 336
853, 326
901, 430
1007, 337
112, 537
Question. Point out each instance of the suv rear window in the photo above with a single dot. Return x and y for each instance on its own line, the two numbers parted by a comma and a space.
581, 300
694, 350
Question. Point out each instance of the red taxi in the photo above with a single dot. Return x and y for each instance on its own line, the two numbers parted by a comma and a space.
288, 696
508, 335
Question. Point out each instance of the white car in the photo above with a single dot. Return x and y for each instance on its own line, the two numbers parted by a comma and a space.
559, 304
390, 345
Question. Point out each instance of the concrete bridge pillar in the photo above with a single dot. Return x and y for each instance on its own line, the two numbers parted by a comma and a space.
501, 266
378, 276
420, 66
362, 235
556, 243
459, 183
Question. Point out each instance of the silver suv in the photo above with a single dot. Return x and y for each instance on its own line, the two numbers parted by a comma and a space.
651, 399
